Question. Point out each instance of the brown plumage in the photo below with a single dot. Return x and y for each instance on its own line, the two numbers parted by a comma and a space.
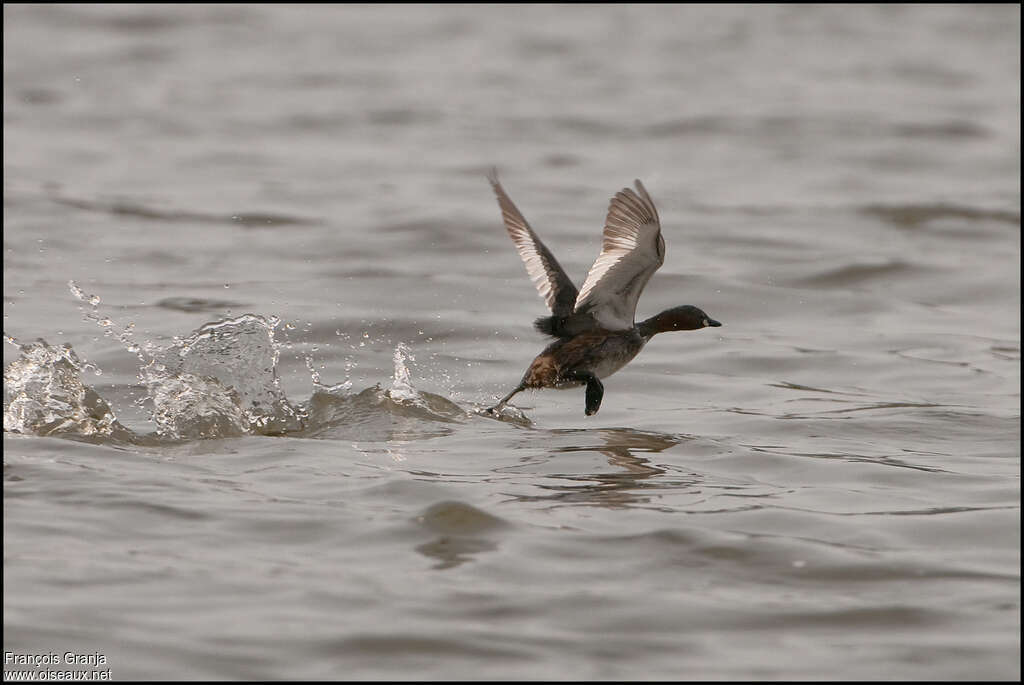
561, 362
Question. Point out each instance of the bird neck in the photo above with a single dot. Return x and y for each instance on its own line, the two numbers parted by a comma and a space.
648, 328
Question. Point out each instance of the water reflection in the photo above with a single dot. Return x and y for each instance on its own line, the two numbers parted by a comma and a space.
630, 485
453, 551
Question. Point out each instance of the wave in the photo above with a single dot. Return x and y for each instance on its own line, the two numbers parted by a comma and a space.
915, 215
125, 208
852, 274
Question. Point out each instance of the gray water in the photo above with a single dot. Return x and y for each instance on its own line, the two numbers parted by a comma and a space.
828, 486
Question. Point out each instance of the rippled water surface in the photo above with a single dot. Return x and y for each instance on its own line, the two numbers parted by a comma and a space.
249, 446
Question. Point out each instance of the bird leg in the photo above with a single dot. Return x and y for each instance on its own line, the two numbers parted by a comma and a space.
504, 400
595, 390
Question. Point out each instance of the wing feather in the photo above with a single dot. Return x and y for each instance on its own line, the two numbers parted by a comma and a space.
544, 270
632, 250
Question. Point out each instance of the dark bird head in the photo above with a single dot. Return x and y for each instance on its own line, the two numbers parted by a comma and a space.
684, 318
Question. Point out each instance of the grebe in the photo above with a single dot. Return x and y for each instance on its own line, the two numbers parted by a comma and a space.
595, 331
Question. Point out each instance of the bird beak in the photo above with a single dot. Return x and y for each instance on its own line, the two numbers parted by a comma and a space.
713, 323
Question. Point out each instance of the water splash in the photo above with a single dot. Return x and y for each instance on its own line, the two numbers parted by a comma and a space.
318, 384
92, 315
402, 389
314, 375
509, 413
222, 377
190, 406
44, 395
219, 381
126, 337
92, 300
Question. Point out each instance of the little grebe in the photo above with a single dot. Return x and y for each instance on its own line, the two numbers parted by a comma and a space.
595, 331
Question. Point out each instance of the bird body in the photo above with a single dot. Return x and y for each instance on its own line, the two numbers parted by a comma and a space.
597, 351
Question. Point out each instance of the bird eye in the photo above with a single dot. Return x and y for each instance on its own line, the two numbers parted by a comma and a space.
705, 323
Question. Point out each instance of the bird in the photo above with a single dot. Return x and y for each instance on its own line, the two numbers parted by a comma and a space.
593, 328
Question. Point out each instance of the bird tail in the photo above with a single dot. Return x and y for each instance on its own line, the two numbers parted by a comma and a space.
549, 325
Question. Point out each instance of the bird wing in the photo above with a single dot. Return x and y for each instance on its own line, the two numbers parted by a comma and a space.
631, 252
544, 270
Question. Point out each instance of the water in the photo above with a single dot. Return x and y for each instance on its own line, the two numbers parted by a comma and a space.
248, 446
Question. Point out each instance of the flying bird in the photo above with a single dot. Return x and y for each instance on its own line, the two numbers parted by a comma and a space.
594, 328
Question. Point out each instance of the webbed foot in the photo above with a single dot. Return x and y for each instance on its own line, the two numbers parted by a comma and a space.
595, 392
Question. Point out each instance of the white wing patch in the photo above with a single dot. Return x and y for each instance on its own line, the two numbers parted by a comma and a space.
547, 275
631, 252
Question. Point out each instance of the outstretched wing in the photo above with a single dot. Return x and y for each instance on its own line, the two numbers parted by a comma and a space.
631, 252
547, 275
